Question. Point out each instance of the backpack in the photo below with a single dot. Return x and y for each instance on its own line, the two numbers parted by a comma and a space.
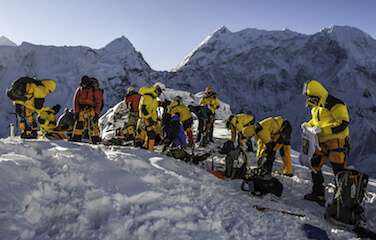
66, 120
227, 147
236, 164
178, 153
350, 191
260, 183
18, 89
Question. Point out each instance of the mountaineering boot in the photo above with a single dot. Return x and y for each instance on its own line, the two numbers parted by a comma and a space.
151, 143
76, 138
315, 198
95, 139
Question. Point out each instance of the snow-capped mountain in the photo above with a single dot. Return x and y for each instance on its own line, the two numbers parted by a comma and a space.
4, 41
264, 71
117, 65
257, 70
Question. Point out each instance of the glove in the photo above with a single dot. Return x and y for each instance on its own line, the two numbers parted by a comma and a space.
315, 129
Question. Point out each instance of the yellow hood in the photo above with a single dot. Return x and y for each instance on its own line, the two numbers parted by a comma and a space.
316, 89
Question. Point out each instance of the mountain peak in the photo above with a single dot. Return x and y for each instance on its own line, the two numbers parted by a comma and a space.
345, 32
4, 41
221, 30
119, 43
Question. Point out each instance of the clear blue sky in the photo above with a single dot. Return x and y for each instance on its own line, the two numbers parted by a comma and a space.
167, 30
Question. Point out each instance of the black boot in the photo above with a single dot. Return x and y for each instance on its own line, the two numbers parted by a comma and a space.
318, 190
95, 139
315, 198
76, 138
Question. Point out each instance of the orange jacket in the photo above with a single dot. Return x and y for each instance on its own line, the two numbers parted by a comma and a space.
133, 101
88, 97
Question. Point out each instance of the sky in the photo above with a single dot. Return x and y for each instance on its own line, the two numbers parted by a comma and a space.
165, 31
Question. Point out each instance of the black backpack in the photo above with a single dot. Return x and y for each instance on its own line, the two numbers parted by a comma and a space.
346, 206
66, 120
18, 89
236, 164
260, 183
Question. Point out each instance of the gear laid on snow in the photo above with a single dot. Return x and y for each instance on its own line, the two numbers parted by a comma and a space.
346, 206
236, 164
260, 183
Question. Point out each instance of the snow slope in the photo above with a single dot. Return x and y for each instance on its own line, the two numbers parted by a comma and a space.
63, 190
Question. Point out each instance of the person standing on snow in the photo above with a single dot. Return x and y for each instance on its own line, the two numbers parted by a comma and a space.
132, 101
330, 121
272, 134
28, 96
148, 115
177, 107
87, 105
211, 101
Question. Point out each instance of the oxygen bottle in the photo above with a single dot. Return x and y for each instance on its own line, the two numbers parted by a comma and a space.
11, 130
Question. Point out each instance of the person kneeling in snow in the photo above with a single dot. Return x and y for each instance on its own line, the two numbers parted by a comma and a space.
176, 141
47, 122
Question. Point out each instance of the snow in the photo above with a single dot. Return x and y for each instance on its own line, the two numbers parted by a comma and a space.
4, 41
64, 190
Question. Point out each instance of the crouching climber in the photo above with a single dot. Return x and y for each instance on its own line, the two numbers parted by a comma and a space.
178, 107
236, 123
48, 122
28, 96
272, 134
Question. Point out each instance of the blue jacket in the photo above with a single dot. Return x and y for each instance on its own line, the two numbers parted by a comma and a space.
175, 132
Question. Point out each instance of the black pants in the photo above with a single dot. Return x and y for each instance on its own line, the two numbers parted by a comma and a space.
318, 179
